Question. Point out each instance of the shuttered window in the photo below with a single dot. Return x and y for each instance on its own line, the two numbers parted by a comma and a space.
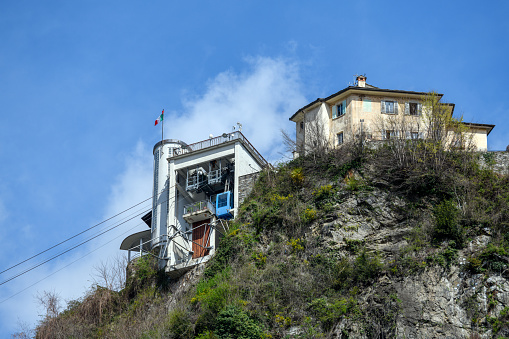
390, 134
339, 138
389, 107
413, 108
339, 109
413, 135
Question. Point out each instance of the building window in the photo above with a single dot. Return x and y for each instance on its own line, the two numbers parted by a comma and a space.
339, 109
389, 107
413, 135
339, 138
389, 134
302, 125
413, 108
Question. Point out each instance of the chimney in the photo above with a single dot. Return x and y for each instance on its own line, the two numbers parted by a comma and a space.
361, 81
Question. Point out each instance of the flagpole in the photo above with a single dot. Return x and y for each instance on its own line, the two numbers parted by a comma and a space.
162, 133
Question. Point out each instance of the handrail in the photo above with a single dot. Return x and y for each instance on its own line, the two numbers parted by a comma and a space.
201, 205
226, 137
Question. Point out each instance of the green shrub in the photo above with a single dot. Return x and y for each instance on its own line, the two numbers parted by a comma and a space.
323, 193
225, 251
494, 257
366, 267
308, 215
297, 176
363, 270
259, 259
329, 313
179, 324
500, 322
446, 216
234, 323
353, 184
445, 257
206, 335
297, 245
213, 293
353, 245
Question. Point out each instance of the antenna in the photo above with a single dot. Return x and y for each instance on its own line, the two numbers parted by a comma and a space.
240, 126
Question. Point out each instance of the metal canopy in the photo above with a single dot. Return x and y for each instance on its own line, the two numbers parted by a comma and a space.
132, 242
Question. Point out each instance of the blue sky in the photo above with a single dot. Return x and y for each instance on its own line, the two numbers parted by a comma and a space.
81, 83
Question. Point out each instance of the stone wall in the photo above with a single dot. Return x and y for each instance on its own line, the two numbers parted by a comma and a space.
498, 160
246, 183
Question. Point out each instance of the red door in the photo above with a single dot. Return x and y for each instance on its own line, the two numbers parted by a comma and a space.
201, 234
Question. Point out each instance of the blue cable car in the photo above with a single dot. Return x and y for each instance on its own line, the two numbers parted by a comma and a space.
224, 203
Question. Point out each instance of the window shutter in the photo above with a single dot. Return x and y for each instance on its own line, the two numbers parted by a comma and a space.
395, 107
382, 105
334, 112
344, 107
421, 135
384, 134
419, 109
407, 108
408, 135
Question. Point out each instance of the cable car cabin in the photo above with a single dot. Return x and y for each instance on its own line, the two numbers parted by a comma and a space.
224, 203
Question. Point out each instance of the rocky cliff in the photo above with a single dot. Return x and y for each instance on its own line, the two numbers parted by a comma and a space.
352, 243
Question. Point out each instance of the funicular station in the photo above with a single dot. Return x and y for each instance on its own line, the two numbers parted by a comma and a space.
195, 192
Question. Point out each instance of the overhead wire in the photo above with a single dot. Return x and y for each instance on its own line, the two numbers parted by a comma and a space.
80, 244
78, 234
95, 235
46, 277
70, 249
83, 242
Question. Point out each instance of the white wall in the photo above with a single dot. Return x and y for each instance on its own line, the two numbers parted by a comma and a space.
244, 164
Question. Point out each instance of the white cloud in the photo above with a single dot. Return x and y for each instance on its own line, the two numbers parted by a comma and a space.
135, 183
262, 99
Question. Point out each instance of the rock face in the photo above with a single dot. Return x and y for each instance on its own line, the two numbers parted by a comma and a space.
178, 288
435, 302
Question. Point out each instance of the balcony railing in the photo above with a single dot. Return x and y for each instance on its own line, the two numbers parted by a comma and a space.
226, 137
195, 181
214, 177
199, 206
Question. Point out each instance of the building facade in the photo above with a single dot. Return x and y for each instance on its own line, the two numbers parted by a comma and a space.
374, 113
196, 189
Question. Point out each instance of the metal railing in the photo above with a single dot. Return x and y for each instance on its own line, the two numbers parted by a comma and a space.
214, 177
198, 206
226, 137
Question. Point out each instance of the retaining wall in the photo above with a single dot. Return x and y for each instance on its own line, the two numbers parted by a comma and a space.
497, 160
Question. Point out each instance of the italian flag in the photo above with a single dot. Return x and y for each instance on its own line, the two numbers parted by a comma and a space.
158, 120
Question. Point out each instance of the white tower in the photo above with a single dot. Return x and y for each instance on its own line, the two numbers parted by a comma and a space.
161, 191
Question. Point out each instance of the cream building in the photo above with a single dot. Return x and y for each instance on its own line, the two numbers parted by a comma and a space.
374, 113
